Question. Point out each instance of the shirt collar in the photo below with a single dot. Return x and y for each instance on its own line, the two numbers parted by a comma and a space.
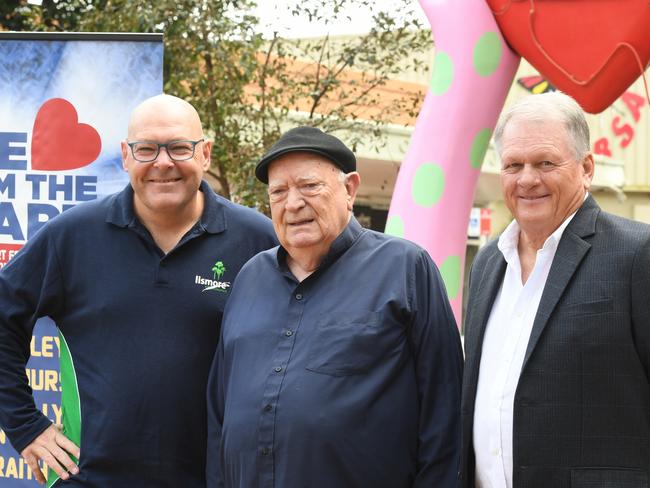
341, 244
213, 219
509, 239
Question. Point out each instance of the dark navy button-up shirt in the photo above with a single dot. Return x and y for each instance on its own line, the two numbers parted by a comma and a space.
350, 378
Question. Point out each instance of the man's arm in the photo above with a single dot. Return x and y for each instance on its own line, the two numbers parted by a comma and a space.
30, 287
439, 363
640, 303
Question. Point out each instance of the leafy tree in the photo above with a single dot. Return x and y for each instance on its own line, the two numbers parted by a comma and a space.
10, 16
249, 89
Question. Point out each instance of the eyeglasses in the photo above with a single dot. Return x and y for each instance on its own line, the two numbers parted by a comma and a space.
145, 151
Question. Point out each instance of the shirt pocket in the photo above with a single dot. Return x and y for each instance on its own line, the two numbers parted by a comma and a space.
608, 478
349, 344
593, 307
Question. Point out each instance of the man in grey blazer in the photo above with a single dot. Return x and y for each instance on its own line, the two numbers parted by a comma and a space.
557, 336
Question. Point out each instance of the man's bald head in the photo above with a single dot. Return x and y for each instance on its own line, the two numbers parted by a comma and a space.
163, 109
164, 186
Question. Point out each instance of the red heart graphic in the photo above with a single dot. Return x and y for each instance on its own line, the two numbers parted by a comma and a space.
592, 50
59, 142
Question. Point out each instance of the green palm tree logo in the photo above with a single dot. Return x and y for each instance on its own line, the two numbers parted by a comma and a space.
218, 269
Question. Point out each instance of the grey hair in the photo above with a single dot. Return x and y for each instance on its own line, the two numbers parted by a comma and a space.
555, 106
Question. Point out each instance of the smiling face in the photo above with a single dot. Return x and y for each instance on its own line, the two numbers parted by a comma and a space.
310, 203
541, 180
165, 186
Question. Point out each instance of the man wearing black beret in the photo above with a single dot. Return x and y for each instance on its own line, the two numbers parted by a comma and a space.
339, 364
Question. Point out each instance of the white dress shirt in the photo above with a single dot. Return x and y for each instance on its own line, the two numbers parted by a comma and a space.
504, 346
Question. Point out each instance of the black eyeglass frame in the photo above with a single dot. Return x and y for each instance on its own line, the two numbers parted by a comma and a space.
159, 146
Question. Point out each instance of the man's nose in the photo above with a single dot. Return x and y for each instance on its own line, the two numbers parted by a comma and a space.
295, 200
163, 158
528, 176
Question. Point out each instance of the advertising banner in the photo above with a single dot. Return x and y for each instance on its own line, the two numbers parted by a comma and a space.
65, 100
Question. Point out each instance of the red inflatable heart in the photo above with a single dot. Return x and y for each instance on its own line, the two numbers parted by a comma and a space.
592, 50
59, 142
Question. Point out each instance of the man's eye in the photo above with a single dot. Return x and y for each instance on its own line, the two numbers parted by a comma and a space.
547, 164
180, 147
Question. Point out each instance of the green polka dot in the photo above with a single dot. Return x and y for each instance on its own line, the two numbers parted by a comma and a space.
487, 54
428, 184
450, 271
395, 226
443, 73
479, 147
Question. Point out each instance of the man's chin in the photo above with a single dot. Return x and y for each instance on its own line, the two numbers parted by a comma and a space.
303, 238
165, 202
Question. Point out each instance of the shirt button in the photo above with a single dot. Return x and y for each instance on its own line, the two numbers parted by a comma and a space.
496, 451
277, 369
288, 333
266, 451
268, 407
298, 296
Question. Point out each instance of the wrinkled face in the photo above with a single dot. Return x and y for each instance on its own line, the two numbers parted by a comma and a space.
310, 203
542, 182
164, 185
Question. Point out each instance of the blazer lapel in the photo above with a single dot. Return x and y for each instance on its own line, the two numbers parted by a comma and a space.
490, 283
571, 250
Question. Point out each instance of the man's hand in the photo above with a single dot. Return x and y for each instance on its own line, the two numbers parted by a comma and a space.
54, 449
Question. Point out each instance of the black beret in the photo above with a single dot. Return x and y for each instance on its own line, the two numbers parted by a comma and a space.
307, 139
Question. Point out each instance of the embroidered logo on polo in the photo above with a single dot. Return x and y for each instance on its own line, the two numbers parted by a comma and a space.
215, 284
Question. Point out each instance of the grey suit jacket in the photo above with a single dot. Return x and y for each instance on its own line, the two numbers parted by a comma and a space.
582, 404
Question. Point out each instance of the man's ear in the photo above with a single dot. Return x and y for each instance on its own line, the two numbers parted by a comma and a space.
588, 166
206, 152
125, 152
352, 181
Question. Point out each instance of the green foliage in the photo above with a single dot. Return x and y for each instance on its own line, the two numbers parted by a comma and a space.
11, 14
248, 89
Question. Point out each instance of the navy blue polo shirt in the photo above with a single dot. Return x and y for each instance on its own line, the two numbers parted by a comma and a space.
141, 328
348, 379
